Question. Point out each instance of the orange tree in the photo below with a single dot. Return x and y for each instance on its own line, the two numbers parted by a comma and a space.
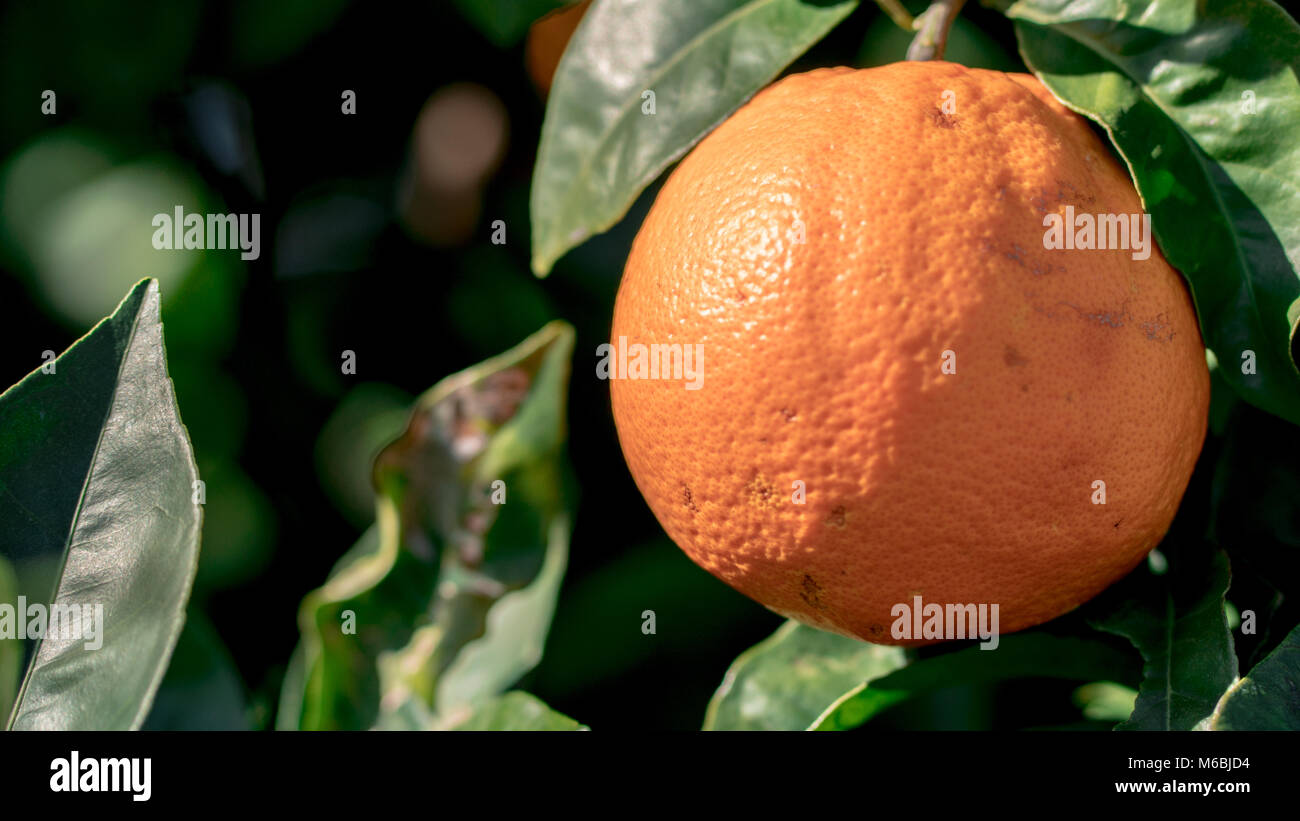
889, 249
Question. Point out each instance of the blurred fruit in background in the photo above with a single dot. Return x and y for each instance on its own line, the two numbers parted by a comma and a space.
459, 139
546, 41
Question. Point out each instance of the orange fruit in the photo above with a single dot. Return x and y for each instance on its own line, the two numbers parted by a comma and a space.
860, 256
546, 41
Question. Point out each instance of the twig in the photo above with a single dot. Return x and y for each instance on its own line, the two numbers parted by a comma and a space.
932, 30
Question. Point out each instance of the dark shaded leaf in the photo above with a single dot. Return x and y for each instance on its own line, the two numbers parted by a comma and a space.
1268, 698
1177, 622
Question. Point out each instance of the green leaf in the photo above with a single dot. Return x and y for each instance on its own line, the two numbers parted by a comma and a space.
517, 710
1202, 100
451, 593
1177, 622
97, 480
787, 680
514, 634
1268, 698
1020, 655
600, 147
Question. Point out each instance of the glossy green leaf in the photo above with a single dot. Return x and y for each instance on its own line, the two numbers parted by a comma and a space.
448, 598
600, 144
1177, 622
787, 680
1203, 101
97, 479
1020, 655
1268, 698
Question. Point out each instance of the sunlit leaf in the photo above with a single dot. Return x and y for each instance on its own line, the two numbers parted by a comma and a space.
517, 711
787, 680
96, 473
700, 60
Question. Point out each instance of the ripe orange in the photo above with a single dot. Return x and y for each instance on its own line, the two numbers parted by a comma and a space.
830, 247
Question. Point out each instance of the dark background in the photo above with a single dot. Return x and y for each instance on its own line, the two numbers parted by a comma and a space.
281, 436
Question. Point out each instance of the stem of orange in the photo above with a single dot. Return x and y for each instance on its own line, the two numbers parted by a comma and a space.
932, 30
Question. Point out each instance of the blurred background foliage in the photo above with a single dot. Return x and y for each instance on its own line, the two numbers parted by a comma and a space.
375, 235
